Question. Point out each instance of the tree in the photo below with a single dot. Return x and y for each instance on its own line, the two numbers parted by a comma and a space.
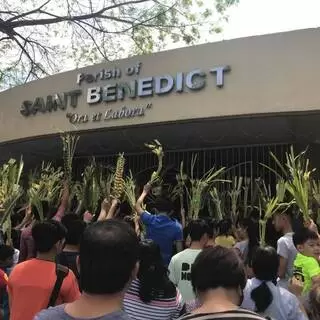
38, 38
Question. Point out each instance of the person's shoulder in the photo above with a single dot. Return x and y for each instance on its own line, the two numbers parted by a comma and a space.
228, 315
52, 313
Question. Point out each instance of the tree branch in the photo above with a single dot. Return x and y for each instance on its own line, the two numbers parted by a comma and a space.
27, 13
25, 23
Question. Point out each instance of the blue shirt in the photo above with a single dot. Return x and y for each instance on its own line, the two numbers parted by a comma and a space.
163, 231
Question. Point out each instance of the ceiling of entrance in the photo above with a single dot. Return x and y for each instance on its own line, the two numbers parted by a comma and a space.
303, 129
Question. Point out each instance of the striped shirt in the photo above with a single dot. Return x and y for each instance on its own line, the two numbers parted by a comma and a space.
238, 314
159, 309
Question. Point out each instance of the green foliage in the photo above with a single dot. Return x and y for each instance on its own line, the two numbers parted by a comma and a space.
39, 39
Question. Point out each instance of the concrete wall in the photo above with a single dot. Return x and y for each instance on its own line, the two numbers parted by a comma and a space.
269, 74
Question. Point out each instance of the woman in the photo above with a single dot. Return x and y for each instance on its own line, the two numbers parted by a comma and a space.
218, 278
261, 293
152, 295
246, 248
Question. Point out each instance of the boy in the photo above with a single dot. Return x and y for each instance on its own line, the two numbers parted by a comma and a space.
180, 264
285, 247
163, 230
306, 266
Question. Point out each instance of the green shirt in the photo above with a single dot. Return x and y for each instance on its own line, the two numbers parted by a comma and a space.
306, 268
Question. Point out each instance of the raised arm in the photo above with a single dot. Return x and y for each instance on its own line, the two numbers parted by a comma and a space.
105, 206
113, 209
139, 203
64, 202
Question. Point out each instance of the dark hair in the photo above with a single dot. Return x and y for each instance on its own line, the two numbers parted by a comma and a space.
129, 220
46, 234
253, 240
197, 229
217, 267
213, 226
303, 235
153, 275
265, 265
75, 228
6, 252
108, 254
225, 227
163, 205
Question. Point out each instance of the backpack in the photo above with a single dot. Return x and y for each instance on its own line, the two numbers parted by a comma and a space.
61, 273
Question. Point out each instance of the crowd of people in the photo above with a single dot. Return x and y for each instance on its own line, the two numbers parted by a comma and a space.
152, 266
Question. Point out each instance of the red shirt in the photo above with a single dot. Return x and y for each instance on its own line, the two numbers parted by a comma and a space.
30, 286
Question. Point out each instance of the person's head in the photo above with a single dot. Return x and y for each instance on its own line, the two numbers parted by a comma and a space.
163, 205
108, 257
307, 242
49, 236
6, 256
218, 270
75, 228
225, 227
314, 302
152, 274
283, 221
242, 229
213, 227
265, 265
198, 231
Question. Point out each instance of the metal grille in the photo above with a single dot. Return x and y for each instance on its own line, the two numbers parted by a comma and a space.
244, 161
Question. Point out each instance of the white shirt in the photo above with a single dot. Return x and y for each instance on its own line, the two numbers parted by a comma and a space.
180, 272
284, 306
287, 250
242, 246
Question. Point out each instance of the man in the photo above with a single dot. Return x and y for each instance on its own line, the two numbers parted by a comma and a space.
108, 262
163, 230
68, 257
285, 247
180, 264
31, 282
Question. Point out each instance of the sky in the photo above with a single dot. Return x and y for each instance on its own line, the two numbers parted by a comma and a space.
255, 17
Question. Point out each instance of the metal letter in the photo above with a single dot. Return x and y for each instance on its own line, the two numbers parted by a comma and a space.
80, 77
74, 94
93, 95
179, 82
109, 92
145, 87
25, 108
127, 89
220, 75
195, 84
165, 80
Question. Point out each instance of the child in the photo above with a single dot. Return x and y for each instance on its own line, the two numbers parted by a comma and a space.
225, 238
285, 247
6, 262
306, 266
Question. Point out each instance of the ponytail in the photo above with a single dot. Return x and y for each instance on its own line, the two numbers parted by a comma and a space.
262, 297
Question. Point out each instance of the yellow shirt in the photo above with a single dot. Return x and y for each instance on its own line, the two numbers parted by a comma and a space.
305, 268
225, 241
